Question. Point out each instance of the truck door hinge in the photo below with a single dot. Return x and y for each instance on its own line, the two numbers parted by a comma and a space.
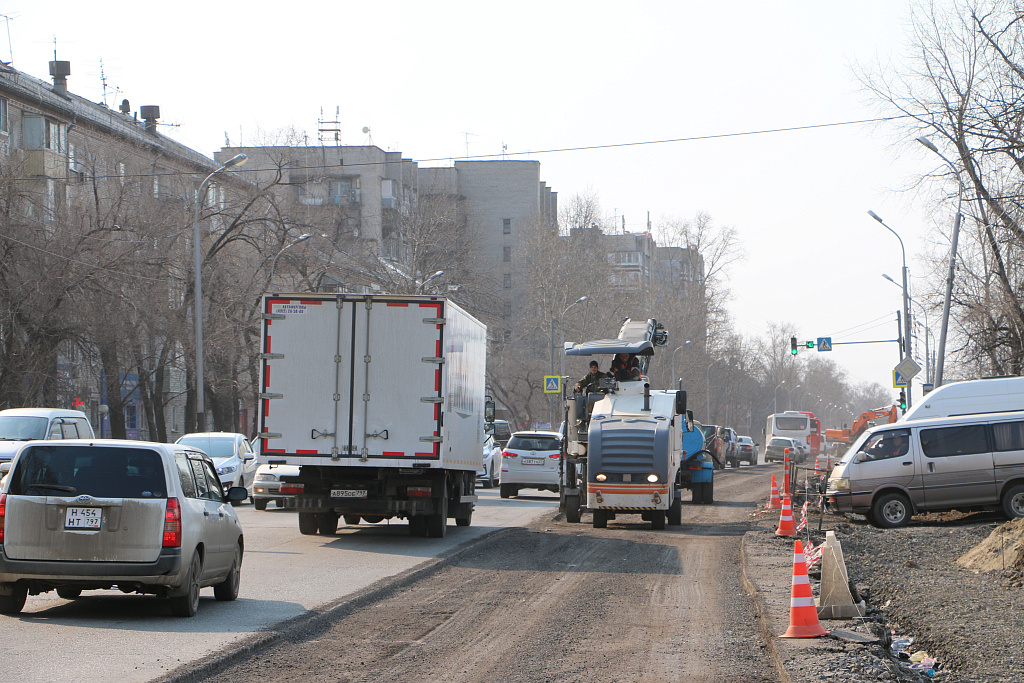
366, 398
271, 356
433, 359
269, 435
366, 358
262, 396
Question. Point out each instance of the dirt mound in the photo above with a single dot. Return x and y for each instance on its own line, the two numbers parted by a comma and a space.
1003, 549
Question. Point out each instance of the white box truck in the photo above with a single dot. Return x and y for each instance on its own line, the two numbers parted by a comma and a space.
380, 402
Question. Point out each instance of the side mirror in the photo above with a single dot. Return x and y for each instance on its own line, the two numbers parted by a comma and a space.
5, 467
689, 420
489, 411
681, 402
249, 457
236, 494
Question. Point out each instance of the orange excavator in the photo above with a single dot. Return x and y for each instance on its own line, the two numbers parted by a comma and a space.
869, 418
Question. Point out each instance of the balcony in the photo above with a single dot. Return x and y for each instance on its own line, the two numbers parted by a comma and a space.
45, 163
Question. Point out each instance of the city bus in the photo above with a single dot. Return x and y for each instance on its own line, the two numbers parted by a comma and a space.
800, 426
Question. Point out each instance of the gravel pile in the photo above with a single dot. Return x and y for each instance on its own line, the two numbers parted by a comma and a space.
971, 622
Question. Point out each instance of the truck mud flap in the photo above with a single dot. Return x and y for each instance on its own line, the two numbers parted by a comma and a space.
359, 506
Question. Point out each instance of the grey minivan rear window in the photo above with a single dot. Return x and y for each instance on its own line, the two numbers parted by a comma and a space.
1008, 436
89, 470
944, 442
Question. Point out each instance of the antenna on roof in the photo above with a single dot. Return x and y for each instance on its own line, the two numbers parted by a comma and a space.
10, 47
326, 128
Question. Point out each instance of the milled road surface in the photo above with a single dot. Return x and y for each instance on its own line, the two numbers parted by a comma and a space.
555, 602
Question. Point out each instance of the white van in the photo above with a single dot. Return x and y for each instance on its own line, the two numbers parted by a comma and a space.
894, 471
18, 425
994, 395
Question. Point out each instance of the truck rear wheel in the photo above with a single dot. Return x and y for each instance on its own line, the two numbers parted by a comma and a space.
600, 519
308, 523
572, 509
466, 519
327, 523
437, 523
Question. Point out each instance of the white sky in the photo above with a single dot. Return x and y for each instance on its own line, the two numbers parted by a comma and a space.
426, 77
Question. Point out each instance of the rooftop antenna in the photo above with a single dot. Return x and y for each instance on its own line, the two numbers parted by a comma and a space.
324, 132
504, 151
103, 80
10, 46
369, 138
467, 141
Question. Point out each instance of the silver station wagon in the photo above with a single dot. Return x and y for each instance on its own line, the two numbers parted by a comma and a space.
141, 517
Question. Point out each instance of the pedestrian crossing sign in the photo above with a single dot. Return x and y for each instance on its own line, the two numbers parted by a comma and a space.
552, 384
824, 343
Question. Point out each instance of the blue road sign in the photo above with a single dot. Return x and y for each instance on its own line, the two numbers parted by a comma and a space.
824, 343
552, 384
898, 380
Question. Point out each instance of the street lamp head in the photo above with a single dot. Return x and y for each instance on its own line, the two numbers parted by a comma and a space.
237, 160
581, 299
891, 280
302, 238
876, 217
928, 143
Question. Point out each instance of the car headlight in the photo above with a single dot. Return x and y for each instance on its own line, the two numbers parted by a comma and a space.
266, 477
227, 469
601, 477
653, 478
839, 484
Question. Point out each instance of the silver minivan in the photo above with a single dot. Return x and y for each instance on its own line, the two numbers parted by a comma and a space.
894, 471
143, 517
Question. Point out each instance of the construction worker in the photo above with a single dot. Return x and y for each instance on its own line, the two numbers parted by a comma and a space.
625, 367
589, 381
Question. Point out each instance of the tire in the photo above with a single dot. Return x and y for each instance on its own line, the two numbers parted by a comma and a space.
890, 511
373, 519
464, 521
600, 519
69, 593
13, 603
437, 523
709, 493
327, 523
260, 503
493, 481
675, 512
1013, 502
658, 520
188, 604
308, 523
507, 491
227, 590
418, 526
572, 509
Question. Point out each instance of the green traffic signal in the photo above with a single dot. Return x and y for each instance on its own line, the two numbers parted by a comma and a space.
903, 400
792, 345
809, 344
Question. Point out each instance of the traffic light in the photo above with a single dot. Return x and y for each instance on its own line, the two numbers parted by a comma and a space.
903, 400
792, 345
809, 344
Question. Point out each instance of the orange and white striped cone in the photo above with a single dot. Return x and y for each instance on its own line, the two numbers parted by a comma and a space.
774, 503
785, 479
817, 466
803, 613
786, 527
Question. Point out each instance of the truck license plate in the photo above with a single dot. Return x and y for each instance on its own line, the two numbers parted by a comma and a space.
347, 493
83, 518
533, 461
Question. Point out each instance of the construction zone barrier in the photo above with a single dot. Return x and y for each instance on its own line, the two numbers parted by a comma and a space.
786, 527
803, 613
836, 599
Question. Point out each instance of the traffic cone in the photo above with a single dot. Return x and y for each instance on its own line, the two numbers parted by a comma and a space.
803, 614
786, 520
774, 503
785, 479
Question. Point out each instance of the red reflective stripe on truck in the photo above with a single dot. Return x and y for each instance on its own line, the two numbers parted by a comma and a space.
300, 450
266, 407
423, 455
271, 302
310, 303
398, 303
394, 453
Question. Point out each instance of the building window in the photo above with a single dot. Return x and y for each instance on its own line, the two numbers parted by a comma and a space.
506, 226
506, 336
41, 133
507, 284
506, 308
5, 124
122, 173
506, 254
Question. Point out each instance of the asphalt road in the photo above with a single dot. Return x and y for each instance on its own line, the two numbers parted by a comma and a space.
106, 635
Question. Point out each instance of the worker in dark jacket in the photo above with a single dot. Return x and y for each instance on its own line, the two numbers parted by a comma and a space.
625, 367
589, 381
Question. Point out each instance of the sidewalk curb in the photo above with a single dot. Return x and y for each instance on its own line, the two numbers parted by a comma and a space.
767, 635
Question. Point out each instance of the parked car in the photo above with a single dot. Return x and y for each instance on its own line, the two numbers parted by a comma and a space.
266, 486
530, 461
730, 450
502, 431
490, 471
232, 455
714, 445
781, 446
18, 425
747, 449
99, 514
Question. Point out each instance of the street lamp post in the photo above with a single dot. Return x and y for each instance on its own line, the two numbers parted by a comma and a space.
776, 408
273, 261
421, 286
906, 301
676, 378
236, 160
940, 361
789, 396
561, 325
927, 331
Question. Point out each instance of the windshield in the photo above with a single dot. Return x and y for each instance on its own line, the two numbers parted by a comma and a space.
791, 423
888, 443
213, 446
22, 427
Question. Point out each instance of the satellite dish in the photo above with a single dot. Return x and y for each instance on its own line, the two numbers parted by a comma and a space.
366, 129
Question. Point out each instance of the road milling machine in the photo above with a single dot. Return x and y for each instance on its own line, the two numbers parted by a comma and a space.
625, 449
